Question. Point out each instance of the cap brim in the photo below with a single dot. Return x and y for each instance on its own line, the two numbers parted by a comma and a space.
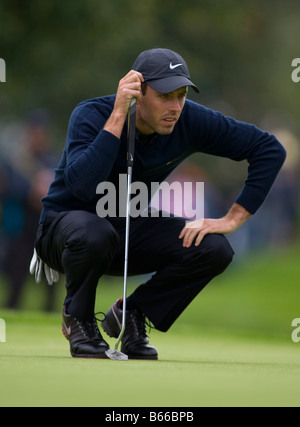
169, 84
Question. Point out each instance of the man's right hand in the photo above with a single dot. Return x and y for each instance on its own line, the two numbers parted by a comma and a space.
129, 87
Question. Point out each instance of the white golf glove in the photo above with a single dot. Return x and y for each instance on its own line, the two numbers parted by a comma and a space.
38, 267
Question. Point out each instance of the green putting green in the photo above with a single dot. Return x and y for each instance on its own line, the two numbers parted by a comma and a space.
232, 347
193, 370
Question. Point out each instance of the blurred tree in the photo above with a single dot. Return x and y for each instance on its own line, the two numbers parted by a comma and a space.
58, 53
239, 54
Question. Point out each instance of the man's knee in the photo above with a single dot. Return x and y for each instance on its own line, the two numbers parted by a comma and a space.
219, 251
101, 240
94, 238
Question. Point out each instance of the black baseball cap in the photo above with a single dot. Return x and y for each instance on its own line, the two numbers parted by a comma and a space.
164, 70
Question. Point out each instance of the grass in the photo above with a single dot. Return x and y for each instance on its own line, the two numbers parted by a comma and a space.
232, 347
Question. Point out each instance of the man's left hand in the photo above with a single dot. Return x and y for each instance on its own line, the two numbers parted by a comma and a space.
199, 228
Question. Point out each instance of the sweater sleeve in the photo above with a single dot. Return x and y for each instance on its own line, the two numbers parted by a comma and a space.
91, 152
226, 137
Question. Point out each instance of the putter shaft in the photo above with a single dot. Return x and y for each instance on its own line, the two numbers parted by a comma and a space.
130, 157
129, 177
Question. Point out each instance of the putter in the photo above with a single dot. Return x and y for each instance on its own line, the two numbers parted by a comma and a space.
116, 354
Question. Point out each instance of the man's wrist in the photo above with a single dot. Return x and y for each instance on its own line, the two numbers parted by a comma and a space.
115, 123
237, 215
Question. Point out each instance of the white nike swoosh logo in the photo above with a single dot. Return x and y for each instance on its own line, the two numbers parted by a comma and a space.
172, 67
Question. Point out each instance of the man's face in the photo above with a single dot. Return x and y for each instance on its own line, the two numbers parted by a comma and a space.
158, 112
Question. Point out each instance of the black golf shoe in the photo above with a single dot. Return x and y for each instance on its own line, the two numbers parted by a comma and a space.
135, 342
84, 337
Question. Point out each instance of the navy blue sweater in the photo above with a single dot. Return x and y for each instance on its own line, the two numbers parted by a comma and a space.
93, 155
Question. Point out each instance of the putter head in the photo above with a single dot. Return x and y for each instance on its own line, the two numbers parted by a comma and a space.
116, 355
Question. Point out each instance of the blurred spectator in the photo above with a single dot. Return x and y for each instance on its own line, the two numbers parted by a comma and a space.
26, 172
274, 225
183, 204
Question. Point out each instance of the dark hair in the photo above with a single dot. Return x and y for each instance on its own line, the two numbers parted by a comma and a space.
144, 87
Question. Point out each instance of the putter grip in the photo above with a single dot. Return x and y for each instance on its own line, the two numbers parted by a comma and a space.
132, 102
131, 132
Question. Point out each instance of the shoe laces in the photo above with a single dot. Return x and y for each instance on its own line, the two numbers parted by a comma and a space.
149, 324
90, 328
136, 323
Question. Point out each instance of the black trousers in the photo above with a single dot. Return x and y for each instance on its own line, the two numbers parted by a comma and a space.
83, 246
